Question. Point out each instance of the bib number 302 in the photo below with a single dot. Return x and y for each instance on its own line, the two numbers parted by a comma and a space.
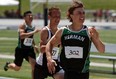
73, 52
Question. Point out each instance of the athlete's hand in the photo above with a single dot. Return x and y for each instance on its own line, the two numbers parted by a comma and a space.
36, 30
36, 49
51, 66
93, 32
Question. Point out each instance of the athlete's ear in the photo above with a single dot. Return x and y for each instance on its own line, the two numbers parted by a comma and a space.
71, 15
49, 16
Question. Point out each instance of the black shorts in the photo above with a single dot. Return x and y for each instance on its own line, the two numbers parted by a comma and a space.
75, 75
21, 53
41, 72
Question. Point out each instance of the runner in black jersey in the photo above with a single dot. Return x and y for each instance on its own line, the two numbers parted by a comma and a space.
75, 40
26, 44
41, 70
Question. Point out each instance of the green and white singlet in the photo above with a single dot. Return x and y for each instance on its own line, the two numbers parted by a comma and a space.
75, 50
27, 42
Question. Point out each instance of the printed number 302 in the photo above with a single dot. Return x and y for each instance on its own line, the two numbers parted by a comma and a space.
73, 52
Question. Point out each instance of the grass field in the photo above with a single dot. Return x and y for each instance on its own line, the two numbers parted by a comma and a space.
25, 72
7, 47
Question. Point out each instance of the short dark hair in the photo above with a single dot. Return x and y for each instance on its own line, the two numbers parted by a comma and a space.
25, 13
51, 9
75, 4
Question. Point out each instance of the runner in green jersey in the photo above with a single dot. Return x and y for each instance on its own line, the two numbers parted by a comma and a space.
26, 44
75, 40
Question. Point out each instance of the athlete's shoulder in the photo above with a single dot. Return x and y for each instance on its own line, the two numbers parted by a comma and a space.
44, 31
22, 26
44, 28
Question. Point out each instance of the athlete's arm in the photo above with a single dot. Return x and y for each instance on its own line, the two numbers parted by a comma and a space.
25, 35
54, 41
43, 39
96, 40
35, 47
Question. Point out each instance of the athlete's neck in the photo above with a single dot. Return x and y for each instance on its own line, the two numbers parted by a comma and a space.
76, 27
52, 28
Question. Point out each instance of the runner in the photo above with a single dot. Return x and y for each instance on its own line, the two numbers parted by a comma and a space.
75, 40
41, 70
26, 44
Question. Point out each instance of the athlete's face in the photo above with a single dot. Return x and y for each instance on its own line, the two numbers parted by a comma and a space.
78, 15
55, 17
29, 17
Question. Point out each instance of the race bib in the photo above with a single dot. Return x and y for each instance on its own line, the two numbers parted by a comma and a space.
28, 41
55, 52
73, 52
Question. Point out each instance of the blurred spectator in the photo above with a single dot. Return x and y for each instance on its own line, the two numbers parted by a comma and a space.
7, 13
38, 16
12, 14
107, 15
95, 16
18, 13
100, 14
